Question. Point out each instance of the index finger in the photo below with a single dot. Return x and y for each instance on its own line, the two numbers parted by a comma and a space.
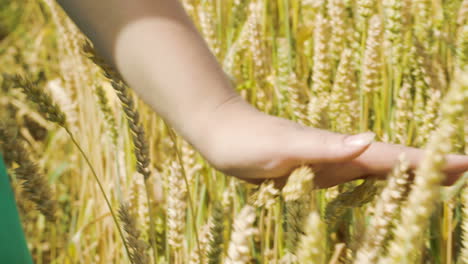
381, 158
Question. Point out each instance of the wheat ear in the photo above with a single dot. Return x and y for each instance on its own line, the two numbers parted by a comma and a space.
34, 182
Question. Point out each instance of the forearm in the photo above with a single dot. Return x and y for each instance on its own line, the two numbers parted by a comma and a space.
160, 54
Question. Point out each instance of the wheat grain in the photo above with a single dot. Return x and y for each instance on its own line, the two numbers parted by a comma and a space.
108, 114
199, 256
64, 101
394, 29
176, 208
429, 121
206, 13
343, 102
356, 197
321, 82
423, 21
299, 184
402, 113
256, 40
297, 194
385, 214
34, 183
312, 244
365, 8
46, 106
137, 246
266, 195
239, 250
216, 236
372, 63
338, 23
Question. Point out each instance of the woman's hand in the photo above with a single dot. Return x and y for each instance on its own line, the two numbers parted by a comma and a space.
253, 146
161, 55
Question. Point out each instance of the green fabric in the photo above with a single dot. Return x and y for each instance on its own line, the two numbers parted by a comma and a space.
13, 247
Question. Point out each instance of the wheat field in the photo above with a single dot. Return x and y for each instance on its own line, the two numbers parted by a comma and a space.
100, 178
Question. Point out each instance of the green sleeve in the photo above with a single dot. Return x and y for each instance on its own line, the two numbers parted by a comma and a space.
13, 247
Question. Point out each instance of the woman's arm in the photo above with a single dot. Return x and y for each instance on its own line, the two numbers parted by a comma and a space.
161, 55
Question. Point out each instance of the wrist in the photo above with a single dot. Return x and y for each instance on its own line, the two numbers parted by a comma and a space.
207, 131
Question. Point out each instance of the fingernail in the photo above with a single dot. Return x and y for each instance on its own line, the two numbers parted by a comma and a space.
360, 140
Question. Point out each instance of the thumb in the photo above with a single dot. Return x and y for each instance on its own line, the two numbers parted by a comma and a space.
321, 146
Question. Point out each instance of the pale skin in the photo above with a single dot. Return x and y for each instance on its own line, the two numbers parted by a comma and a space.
161, 55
